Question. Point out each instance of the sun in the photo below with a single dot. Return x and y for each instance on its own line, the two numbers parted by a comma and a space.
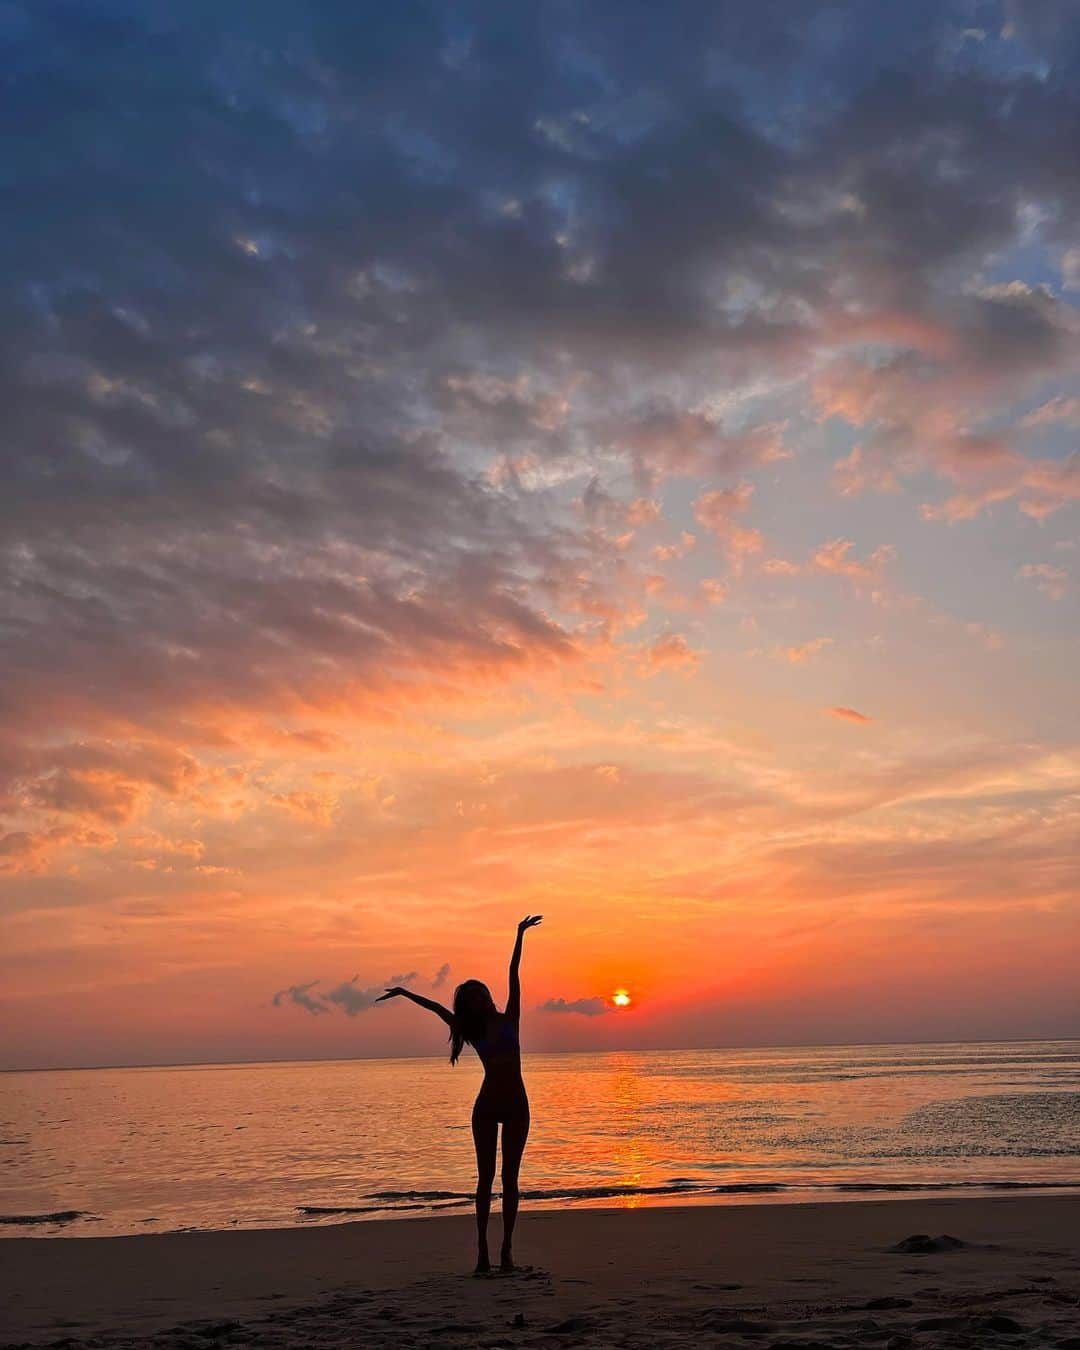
621, 998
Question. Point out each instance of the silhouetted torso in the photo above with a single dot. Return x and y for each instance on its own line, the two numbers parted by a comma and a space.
502, 1092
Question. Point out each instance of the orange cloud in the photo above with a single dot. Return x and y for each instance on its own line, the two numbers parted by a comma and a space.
314, 806
30, 850
713, 590
666, 552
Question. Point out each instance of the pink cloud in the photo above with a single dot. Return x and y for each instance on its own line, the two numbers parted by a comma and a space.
1058, 411
798, 654
718, 511
835, 557
923, 406
848, 715
858, 472
1052, 581
665, 440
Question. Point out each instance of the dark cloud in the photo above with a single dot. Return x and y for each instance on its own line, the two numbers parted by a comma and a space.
300, 994
587, 1007
351, 999
348, 996
441, 976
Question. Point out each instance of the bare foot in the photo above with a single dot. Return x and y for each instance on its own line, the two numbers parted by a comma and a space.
483, 1265
506, 1265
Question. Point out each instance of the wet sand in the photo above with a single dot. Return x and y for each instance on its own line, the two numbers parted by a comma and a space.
835, 1274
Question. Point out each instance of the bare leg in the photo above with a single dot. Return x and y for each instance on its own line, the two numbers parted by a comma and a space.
514, 1134
485, 1133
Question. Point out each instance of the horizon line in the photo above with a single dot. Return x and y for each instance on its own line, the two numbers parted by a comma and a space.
639, 1049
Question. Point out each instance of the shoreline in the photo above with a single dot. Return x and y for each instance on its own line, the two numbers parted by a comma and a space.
419, 1205
731, 1273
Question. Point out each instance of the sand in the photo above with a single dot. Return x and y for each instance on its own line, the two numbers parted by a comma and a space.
771, 1276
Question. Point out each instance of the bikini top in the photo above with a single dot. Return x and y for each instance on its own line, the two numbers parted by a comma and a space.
502, 1036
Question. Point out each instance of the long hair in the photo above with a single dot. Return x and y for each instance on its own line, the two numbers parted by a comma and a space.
473, 1009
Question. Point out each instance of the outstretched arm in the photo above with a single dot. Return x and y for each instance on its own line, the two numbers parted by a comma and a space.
513, 1002
428, 1003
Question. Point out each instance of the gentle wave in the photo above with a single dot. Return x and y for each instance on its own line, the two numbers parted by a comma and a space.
394, 1201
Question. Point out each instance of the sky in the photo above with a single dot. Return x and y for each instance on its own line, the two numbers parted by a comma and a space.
608, 460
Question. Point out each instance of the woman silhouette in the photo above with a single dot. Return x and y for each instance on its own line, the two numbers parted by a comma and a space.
476, 1021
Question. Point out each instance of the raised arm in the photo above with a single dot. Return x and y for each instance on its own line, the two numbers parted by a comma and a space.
428, 1003
513, 1001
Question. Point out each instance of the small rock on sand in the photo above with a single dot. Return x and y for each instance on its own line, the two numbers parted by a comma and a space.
921, 1244
1007, 1326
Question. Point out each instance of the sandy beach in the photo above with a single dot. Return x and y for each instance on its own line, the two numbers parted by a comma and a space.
835, 1274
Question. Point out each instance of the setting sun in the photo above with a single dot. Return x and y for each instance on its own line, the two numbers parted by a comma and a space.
621, 998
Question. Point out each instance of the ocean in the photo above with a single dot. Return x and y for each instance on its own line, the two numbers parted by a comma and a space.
108, 1151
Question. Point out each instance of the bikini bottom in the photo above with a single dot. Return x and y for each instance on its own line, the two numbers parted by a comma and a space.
513, 1108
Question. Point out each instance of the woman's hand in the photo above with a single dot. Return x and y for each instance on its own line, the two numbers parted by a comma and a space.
391, 993
529, 921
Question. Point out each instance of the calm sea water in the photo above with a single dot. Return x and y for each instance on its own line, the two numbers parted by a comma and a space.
149, 1150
